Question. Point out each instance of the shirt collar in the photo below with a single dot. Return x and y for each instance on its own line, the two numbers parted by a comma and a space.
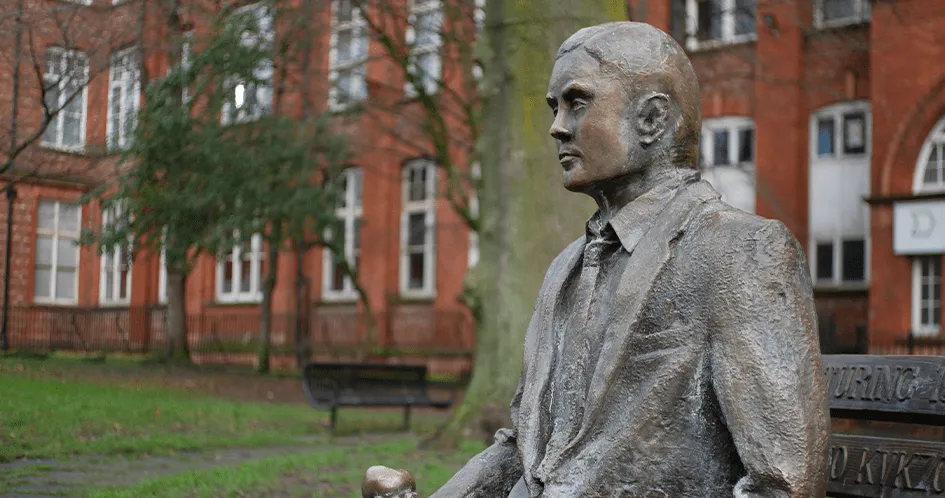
631, 223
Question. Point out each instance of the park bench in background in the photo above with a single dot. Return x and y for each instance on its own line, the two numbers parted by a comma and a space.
329, 386
889, 415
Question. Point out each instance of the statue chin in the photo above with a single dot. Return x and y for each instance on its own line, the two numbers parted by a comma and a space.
385, 482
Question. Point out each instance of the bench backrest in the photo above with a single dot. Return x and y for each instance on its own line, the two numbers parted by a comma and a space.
327, 383
894, 460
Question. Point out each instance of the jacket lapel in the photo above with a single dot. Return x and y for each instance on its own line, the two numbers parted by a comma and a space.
540, 347
648, 259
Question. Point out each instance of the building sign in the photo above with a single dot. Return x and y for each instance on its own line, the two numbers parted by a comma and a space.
919, 227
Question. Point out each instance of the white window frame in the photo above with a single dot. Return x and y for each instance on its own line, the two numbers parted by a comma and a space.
123, 76
836, 281
61, 81
236, 114
355, 69
728, 27
920, 327
733, 125
431, 81
55, 233
837, 113
162, 277
186, 53
349, 216
479, 15
862, 13
935, 139
428, 207
119, 256
235, 255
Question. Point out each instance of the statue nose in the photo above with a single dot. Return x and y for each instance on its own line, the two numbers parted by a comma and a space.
559, 131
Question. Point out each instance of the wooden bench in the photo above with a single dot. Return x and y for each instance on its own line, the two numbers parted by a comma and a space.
894, 411
330, 386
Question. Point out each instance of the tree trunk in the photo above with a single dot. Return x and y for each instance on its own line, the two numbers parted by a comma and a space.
265, 328
303, 349
527, 215
176, 350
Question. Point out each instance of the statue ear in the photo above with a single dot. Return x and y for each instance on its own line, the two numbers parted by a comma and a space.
652, 118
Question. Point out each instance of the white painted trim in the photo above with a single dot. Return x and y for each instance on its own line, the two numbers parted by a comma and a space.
918, 328
728, 27
243, 115
861, 15
254, 294
350, 214
115, 268
58, 117
427, 206
359, 36
54, 266
431, 7
128, 57
935, 137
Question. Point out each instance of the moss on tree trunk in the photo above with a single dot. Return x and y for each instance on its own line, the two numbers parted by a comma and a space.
527, 215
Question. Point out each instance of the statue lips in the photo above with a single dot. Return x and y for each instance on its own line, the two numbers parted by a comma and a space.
567, 158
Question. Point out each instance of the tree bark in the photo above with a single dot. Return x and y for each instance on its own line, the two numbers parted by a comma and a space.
527, 215
265, 328
176, 349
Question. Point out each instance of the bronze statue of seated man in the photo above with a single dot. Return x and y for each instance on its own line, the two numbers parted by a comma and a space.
673, 348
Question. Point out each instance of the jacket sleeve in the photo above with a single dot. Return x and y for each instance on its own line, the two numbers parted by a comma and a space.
494, 471
766, 366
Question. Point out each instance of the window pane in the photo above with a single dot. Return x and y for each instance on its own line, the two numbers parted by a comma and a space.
44, 250
68, 218
42, 284
720, 147
427, 27
854, 133
415, 280
744, 17
854, 260
337, 278
67, 255
746, 145
123, 281
357, 243
343, 46
245, 272
825, 261
838, 9
50, 135
114, 115
65, 284
46, 215
344, 11
932, 167
825, 139
416, 229
418, 179
342, 191
358, 177
710, 20
227, 286
109, 283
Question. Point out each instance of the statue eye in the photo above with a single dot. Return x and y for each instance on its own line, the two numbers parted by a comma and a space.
578, 104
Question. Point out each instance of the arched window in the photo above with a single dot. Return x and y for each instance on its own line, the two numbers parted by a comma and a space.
930, 167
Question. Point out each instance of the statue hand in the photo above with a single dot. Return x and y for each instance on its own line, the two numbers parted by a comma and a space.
384, 482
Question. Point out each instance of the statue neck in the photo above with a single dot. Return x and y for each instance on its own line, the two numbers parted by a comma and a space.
619, 192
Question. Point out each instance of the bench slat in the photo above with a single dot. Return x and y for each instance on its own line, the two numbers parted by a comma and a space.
865, 466
895, 388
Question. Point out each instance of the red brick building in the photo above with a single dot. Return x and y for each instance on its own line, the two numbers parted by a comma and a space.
411, 248
829, 115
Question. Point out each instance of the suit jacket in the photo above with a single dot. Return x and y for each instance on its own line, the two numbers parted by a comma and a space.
708, 382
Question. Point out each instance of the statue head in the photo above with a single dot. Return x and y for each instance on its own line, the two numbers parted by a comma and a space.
626, 102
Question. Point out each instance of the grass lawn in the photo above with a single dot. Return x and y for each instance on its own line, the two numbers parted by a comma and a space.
329, 473
45, 412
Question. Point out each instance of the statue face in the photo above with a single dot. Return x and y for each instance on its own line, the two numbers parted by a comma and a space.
592, 124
